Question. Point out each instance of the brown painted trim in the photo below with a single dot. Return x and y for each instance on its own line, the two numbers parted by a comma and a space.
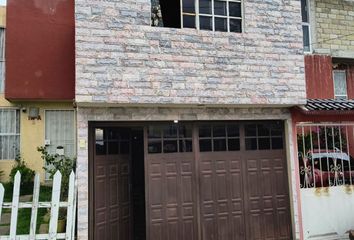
146, 178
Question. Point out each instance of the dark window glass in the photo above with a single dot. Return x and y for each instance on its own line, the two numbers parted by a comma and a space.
205, 131
219, 131
205, 23
188, 6
125, 135
251, 143
185, 132
205, 6
251, 130
205, 145
154, 147
219, 145
220, 24
277, 143
124, 147
263, 130
188, 21
277, 131
100, 148
170, 146
112, 134
185, 146
113, 147
304, 11
235, 9
234, 144
233, 131
235, 25
170, 131
154, 132
306, 38
220, 8
263, 143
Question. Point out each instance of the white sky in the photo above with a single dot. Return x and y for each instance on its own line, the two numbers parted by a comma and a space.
2, 2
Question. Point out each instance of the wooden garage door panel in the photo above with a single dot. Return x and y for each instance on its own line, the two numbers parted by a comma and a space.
221, 202
172, 202
267, 196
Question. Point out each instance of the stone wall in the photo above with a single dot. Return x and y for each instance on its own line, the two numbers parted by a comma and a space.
120, 58
84, 115
333, 23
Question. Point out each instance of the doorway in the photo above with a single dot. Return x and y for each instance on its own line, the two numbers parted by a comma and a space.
118, 185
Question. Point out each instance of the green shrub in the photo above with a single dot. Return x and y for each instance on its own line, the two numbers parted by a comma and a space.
27, 175
55, 162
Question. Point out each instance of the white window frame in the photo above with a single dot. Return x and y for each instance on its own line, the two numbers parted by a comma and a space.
212, 15
17, 115
46, 175
308, 25
2, 60
334, 85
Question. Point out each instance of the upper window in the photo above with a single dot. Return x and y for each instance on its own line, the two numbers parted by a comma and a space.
9, 133
340, 84
264, 136
305, 25
213, 15
219, 137
2, 59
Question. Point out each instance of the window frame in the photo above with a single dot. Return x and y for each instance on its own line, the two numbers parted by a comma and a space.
308, 25
17, 134
2, 60
197, 15
334, 84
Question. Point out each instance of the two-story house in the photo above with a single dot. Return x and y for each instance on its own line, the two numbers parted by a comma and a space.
325, 125
37, 88
183, 115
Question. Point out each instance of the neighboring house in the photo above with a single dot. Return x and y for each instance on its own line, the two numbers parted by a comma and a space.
325, 125
36, 96
184, 131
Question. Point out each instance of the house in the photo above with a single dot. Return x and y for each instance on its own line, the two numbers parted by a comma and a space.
183, 118
324, 126
36, 96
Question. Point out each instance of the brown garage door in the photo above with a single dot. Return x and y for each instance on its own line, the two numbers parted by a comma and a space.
111, 173
217, 181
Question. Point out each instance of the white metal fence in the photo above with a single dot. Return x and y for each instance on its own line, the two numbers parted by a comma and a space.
54, 206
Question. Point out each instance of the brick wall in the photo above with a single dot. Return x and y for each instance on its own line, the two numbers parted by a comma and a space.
334, 27
121, 59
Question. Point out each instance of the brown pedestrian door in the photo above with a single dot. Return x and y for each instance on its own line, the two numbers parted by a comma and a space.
111, 173
217, 181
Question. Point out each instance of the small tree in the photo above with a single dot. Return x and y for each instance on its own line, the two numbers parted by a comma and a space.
55, 162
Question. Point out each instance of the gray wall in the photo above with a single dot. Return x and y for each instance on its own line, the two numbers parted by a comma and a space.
121, 59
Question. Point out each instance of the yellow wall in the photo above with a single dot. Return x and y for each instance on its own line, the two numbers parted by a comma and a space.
2, 16
32, 134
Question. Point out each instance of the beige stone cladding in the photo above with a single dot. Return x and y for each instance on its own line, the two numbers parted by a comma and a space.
169, 114
120, 58
333, 27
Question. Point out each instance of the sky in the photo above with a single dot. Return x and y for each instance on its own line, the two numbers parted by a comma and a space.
2, 2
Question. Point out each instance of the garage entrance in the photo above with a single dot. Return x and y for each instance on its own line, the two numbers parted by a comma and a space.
202, 181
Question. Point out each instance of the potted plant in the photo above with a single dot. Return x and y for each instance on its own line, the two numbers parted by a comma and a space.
65, 165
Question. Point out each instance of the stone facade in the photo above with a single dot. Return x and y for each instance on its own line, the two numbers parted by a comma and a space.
333, 27
84, 115
121, 59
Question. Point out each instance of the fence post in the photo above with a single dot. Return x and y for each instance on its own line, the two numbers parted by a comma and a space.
14, 209
70, 209
33, 225
2, 192
54, 213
